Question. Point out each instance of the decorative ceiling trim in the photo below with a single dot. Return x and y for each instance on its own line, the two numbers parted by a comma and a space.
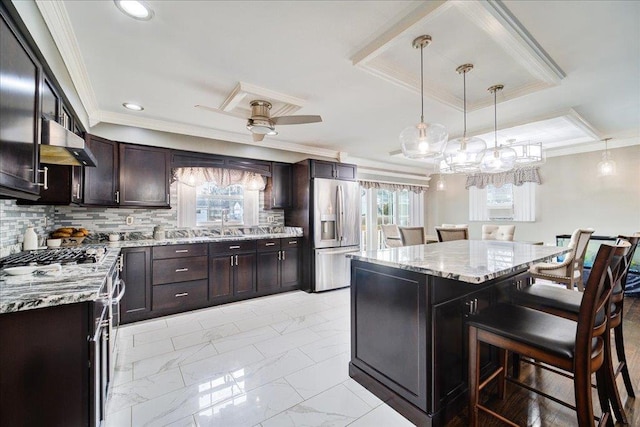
240, 138
493, 18
283, 105
58, 22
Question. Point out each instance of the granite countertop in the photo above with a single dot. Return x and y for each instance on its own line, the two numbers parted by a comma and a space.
82, 282
73, 284
471, 261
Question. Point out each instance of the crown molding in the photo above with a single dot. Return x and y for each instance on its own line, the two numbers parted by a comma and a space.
58, 22
199, 131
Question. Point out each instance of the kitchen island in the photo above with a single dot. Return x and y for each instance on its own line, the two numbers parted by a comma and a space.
408, 311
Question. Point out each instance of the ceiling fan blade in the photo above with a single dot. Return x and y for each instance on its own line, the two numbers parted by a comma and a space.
295, 120
257, 137
216, 110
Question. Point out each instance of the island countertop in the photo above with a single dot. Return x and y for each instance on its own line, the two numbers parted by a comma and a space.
471, 261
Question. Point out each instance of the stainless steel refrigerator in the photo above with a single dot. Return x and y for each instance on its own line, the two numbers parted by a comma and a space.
326, 204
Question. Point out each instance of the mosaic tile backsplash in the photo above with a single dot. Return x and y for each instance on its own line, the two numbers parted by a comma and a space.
14, 219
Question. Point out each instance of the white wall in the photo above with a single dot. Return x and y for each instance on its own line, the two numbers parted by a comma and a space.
571, 195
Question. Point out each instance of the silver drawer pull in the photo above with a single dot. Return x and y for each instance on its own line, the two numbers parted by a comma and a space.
270, 244
184, 294
293, 242
180, 270
182, 251
234, 247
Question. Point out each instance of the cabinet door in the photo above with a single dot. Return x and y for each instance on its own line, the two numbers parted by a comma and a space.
50, 102
136, 274
244, 274
322, 169
144, 176
346, 172
289, 265
220, 277
278, 192
19, 114
268, 277
101, 182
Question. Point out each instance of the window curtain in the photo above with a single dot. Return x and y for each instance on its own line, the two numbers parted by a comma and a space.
221, 177
392, 187
516, 177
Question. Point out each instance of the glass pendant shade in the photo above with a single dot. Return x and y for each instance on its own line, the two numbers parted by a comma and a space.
498, 159
529, 153
441, 185
464, 154
606, 167
423, 141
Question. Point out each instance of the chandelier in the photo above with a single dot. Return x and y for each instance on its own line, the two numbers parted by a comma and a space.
606, 167
424, 140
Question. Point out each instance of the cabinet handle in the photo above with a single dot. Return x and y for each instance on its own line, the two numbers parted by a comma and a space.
234, 247
293, 242
236, 260
231, 260
180, 270
282, 255
45, 184
118, 196
78, 191
182, 251
274, 201
183, 294
270, 244
279, 255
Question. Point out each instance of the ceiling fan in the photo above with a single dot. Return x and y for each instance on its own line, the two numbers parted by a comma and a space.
260, 123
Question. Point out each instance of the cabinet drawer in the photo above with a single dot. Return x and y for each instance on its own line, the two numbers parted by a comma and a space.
232, 246
180, 295
179, 251
268, 245
179, 270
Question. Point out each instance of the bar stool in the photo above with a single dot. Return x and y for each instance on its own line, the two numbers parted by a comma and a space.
575, 347
564, 303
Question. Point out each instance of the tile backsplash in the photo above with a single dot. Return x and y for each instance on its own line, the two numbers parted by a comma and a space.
14, 219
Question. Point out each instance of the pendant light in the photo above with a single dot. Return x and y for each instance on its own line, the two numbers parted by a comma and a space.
497, 159
464, 154
424, 140
606, 167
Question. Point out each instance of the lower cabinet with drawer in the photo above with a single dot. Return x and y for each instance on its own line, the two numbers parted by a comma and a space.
232, 271
180, 278
278, 265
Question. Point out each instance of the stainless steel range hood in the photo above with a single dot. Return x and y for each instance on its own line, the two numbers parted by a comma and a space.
60, 146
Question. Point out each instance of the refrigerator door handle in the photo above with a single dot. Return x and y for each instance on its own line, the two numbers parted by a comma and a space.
339, 213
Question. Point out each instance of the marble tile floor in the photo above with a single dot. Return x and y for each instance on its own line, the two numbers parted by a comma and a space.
274, 361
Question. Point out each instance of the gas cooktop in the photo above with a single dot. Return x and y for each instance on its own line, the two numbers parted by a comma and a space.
51, 256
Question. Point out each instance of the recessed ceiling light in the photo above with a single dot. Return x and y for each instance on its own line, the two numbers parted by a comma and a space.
134, 107
135, 9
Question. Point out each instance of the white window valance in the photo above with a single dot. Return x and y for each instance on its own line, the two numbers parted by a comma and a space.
516, 177
393, 187
221, 177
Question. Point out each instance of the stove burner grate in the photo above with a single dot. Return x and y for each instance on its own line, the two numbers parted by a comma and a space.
51, 256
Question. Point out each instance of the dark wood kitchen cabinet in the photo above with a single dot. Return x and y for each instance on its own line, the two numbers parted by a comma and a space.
127, 175
179, 278
333, 170
232, 270
19, 114
101, 182
144, 176
278, 265
277, 194
136, 274
46, 369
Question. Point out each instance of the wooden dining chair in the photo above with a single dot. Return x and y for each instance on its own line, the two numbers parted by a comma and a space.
447, 234
574, 347
566, 303
412, 236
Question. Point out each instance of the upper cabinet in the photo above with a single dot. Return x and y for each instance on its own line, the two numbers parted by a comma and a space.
19, 114
127, 175
333, 170
277, 194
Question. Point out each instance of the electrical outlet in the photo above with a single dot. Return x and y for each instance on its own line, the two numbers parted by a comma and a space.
270, 219
129, 220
